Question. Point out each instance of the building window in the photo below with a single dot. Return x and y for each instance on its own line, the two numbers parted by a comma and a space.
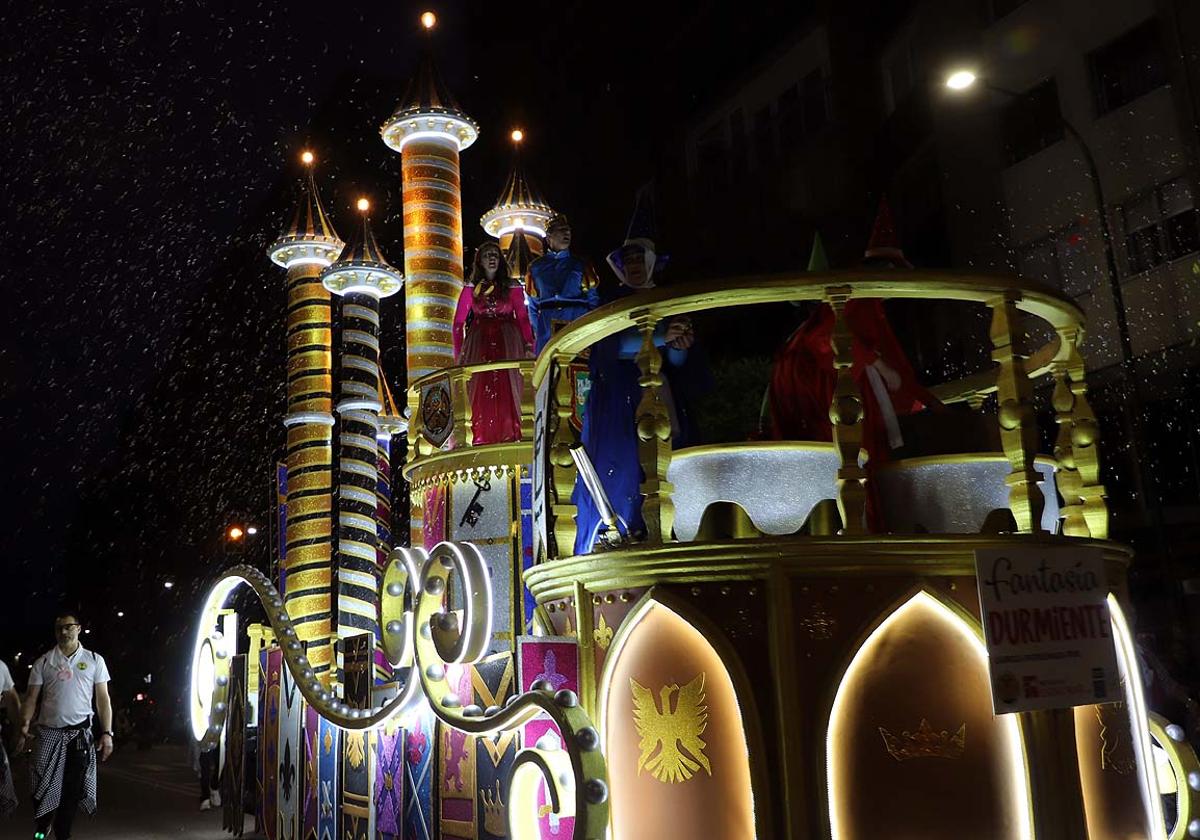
1128, 67
1061, 260
791, 119
764, 138
1032, 122
816, 106
737, 136
712, 157
1161, 225
1003, 8
899, 74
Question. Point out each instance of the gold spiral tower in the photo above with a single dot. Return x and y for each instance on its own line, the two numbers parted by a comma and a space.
306, 247
429, 130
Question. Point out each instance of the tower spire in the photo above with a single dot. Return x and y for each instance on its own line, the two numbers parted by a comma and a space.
429, 129
361, 276
306, 246
520, 205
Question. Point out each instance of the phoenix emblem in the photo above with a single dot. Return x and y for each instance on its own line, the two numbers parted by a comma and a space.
671, 747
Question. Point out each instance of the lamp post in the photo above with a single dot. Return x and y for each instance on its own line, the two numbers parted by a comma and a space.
962, 80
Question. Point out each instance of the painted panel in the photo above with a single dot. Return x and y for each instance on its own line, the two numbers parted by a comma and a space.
268, 742
310, 785
556, 660
358, 811
418, 775
929, 760
389, 783
233, 780
481, 512
290, 751
678, 762
327, 780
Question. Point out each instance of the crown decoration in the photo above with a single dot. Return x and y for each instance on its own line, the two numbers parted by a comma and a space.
925, 742
495, 816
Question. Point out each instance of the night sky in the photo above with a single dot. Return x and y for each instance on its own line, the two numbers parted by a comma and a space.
149, 157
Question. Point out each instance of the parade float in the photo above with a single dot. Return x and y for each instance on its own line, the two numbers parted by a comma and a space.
759, 658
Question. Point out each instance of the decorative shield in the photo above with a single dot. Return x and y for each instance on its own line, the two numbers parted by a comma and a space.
581, 385
437, 416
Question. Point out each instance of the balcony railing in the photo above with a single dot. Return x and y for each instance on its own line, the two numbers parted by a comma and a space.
440, 414
1011, 379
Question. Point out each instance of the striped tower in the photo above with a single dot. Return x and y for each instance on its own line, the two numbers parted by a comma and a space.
391, 422
428, 129
519, 216
361, 275
306, 247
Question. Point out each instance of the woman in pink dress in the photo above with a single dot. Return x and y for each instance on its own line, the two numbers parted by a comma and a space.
492, 315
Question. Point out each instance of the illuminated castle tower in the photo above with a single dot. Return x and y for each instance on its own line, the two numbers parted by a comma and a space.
362, 276
308, 245
795, 642
519, 216
429, 129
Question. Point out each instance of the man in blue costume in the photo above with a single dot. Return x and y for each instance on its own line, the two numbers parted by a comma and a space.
561, 286
609, 421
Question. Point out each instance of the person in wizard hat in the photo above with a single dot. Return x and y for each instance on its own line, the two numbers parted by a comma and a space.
804, 377
610, 415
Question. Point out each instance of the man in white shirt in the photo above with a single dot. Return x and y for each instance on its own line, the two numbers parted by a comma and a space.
12, 704
66, 679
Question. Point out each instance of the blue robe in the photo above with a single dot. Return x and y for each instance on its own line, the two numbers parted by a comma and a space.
558, 293
610, 433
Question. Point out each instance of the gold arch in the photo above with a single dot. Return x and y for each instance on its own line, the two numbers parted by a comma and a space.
747, 709
966, 624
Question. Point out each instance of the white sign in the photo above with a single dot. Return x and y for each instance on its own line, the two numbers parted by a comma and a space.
1047, 626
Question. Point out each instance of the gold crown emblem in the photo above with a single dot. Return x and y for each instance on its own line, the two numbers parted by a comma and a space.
925, 742
495, 816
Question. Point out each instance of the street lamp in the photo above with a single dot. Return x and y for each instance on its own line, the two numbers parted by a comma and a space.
961, 80
235, 533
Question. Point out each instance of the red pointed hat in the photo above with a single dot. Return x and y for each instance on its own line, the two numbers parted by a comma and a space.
885, 242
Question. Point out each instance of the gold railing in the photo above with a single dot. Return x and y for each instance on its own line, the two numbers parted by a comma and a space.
425, 453
1009, 298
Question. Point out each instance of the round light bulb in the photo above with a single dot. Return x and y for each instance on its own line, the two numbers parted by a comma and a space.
252, 530
235, 533
307, 157
960, 80
518, 135
363, 205
428, 20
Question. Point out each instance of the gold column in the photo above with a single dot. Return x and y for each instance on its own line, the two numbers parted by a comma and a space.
1067, 478
1085, 441
562, 480
309, 537
654, 436
1014, 410
433, 250
1055, 789
845, 415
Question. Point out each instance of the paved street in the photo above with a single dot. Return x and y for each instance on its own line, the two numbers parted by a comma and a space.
144, 795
